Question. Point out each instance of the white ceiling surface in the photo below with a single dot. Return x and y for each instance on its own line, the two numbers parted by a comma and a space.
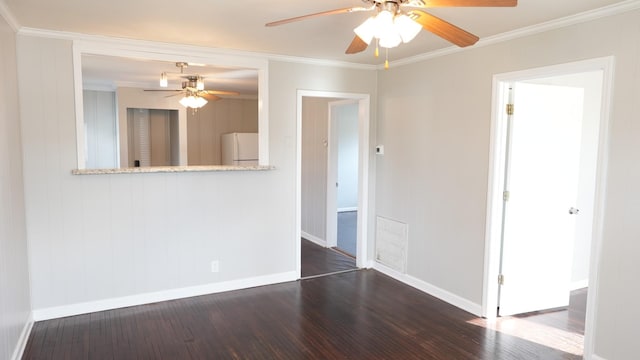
239, 24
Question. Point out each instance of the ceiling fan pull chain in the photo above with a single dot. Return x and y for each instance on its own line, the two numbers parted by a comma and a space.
377, 52
386, 60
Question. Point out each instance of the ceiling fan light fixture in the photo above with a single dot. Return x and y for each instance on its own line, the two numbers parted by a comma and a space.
194, 102
384, 24
390, 29
164, 82
367, 30
407, 28
390, 40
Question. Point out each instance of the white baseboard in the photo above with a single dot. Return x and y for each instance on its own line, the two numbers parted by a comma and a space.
596, 357
22, 340
346, 209
432, 290
314, 239
148, 298
579, 284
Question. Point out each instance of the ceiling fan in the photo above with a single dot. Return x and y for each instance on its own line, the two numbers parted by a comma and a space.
193, 91
392, 25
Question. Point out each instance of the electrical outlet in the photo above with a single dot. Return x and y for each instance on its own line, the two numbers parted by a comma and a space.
215, 266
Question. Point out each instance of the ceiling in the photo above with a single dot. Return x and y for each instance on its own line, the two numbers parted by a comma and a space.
239, 25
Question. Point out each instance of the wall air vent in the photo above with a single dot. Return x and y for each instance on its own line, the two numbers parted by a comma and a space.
391, 243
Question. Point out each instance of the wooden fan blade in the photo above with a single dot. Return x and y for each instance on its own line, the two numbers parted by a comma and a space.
177, 92
330, 12
461, 3
443, 29
220, 92
210, 97
356, 46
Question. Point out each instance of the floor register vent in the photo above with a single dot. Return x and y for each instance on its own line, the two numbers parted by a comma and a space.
391, 243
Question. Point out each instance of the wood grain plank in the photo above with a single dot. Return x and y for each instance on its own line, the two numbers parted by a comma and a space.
355, 315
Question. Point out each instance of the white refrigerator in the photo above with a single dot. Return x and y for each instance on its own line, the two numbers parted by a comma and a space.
240, 149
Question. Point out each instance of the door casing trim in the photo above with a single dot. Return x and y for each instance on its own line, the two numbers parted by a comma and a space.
364, 119
496, 169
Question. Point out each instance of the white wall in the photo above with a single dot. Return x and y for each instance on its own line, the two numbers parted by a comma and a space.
110, 236
434, 120
15, 307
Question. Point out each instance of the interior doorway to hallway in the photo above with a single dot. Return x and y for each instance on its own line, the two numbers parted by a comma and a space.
332, 174
551, 146
342, 199
545, 202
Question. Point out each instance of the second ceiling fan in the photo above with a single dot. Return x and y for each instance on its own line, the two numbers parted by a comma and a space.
392, 24
194, 94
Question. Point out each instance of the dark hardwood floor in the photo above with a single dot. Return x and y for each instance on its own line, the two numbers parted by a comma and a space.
355, 315
317, 260
562, 329
571, 320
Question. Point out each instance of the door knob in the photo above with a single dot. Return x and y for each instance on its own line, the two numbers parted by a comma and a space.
573, 211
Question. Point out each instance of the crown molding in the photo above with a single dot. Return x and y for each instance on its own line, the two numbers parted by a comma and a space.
96, 41
586, 16
6, 13
174, 48
321, 62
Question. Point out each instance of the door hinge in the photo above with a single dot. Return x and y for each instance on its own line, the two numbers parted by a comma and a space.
506, 195
500, 279
509, 109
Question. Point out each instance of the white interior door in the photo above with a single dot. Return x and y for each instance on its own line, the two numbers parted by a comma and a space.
542, 182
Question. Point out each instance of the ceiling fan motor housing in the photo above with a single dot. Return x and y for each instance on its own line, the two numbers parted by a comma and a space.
191, 82
392, 6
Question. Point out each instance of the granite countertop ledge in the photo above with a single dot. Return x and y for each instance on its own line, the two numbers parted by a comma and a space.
170, 169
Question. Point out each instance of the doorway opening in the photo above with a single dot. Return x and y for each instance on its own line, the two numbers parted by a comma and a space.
546, 181
342, 170
333, 156
153, 139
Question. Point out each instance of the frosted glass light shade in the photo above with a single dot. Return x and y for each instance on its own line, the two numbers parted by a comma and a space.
407, 28
384, 24
194, 102
367, 30
390, 40
391, 30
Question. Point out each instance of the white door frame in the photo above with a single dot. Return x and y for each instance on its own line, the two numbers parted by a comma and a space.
496, 179
363, 171
332, 173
